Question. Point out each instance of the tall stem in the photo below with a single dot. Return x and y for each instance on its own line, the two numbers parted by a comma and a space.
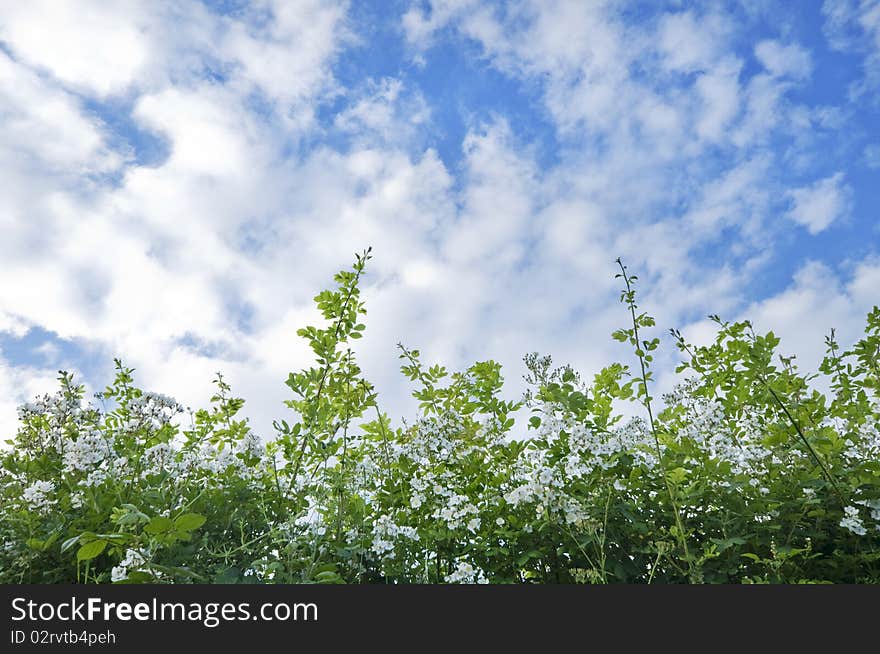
646, 402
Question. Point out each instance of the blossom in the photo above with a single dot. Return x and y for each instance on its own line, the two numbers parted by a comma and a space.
35, 496
251, 445
312, 520
852, 521
386, 532
132, 560
465, 573
88, 450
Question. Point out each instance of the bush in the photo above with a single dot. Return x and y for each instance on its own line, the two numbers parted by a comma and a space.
747, 474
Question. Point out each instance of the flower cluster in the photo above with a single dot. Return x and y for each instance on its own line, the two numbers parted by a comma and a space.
36, 496
387, 533
465, 573
131, 562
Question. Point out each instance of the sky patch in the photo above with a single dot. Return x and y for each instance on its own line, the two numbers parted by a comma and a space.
180, 180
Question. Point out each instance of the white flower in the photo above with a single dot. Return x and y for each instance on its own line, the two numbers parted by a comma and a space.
251, 445
35, 496
852, 521
76, 500
545, 476
385, 531
465, 573
132, 559
873, 506
95, 478
312, 520
87, 451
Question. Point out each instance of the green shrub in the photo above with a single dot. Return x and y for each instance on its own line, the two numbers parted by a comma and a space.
744, 474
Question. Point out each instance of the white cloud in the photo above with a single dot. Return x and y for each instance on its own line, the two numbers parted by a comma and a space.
44, 127
739, 197
720, 93
822, 203
94, 45
849, 23
13, 325
689, 42
208, 132
288, 57
784, 60
386, 111
420, 24
854, 26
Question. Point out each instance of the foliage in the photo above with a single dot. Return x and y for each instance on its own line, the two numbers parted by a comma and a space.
746, 473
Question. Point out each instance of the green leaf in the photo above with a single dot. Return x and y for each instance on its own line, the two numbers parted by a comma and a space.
727, 543
677, 475
189, 521
328, 577
91, 550
159, 525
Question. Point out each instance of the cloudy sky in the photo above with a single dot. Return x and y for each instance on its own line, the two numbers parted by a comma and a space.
179, 179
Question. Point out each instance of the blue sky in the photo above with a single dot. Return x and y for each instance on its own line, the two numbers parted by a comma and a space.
179, 179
